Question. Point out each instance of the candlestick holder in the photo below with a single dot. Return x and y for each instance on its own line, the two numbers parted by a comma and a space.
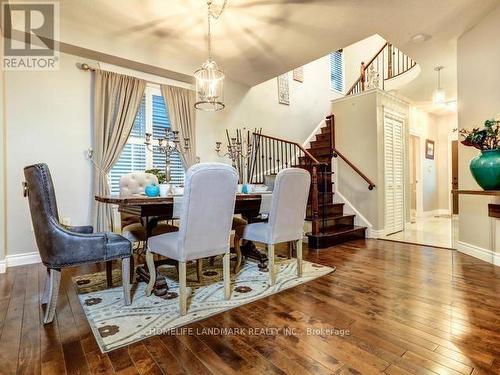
167, 145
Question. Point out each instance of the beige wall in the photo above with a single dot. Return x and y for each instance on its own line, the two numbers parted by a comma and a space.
434, 175
446, 125
48, 120
2, 159
309, 104
478, 99
356, 129
359, 125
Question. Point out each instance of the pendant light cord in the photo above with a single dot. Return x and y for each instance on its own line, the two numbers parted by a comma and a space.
216, 17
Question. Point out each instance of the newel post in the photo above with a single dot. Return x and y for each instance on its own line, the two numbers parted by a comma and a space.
330, 122
314, 201
363, 75
389, 61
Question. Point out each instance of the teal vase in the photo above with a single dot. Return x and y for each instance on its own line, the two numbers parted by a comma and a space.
486, 169
152, 190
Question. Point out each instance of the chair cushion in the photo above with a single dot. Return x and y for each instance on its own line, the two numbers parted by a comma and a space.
259, 232
136, 232
165, 244
117, 247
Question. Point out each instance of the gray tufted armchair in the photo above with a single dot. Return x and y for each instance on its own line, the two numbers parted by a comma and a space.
62, 246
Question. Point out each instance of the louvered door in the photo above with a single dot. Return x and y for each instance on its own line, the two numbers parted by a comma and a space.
394, 174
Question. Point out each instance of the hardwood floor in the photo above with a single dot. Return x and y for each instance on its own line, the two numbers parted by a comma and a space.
395, 309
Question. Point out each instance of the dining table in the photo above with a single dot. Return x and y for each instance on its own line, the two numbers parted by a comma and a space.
151, 210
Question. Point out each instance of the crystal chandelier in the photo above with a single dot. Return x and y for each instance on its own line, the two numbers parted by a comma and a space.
209, 78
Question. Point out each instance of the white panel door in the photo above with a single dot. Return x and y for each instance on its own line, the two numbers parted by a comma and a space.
394, 174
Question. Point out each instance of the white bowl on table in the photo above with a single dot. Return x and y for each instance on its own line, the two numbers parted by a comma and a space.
177, 190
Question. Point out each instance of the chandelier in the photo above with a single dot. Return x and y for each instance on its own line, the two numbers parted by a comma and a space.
209, 78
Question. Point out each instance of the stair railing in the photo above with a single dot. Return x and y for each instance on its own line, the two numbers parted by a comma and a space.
330, 121
388, 62
271, 154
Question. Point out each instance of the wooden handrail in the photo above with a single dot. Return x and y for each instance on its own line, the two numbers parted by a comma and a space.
330, 121
376, 55
277, 153
353, 86
395, 68
336, 153
361, 76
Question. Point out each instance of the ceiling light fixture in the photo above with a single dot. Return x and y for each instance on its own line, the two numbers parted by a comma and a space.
420, 38
209, 78
439, 96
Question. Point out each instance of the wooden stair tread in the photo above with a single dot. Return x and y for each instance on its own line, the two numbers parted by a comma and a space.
333, 216
335, 236
341, 230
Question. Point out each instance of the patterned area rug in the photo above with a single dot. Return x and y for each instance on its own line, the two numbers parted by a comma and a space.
115, 325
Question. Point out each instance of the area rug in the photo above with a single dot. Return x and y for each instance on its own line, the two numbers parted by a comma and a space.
115, 325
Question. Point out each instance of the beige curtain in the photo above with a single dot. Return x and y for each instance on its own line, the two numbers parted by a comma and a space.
116, 101
180, 104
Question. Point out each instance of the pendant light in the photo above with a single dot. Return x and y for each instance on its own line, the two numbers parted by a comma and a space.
438, 96
209, 78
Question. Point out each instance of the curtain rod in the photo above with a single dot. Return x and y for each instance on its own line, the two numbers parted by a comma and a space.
87, 68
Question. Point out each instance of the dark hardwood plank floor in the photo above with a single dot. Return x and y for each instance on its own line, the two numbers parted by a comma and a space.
389, 308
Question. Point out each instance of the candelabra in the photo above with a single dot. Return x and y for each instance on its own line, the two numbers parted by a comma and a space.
239, 150
167, 145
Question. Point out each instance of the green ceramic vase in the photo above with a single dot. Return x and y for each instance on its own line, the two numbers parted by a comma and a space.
486, 169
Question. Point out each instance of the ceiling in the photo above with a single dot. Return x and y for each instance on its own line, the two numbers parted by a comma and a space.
256, 40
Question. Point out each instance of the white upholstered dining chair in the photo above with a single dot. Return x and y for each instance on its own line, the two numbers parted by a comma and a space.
286, 217
205, 225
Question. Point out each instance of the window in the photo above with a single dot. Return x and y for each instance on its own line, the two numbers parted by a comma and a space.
337, 71
152, 117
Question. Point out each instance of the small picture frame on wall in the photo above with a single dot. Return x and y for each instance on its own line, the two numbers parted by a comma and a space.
429, 149
298, 74
283, 89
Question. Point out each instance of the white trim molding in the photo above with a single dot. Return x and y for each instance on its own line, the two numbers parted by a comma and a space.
479, 253
441, 211
19, 260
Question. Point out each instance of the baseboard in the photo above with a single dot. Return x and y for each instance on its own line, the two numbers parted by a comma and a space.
359, 219
441, 211
374, 233
19, 260
479, 253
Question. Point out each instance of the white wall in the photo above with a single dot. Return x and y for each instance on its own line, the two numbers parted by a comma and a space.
478, 98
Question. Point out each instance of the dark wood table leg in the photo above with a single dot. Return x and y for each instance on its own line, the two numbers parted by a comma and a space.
248, 248
109, 272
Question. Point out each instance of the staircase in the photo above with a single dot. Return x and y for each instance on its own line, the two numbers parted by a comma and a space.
388, 63
335, 226
330, 225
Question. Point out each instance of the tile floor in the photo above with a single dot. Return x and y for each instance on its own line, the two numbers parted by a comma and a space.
436, 231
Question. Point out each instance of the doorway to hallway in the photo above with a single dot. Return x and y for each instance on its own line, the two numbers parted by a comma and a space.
431, 172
